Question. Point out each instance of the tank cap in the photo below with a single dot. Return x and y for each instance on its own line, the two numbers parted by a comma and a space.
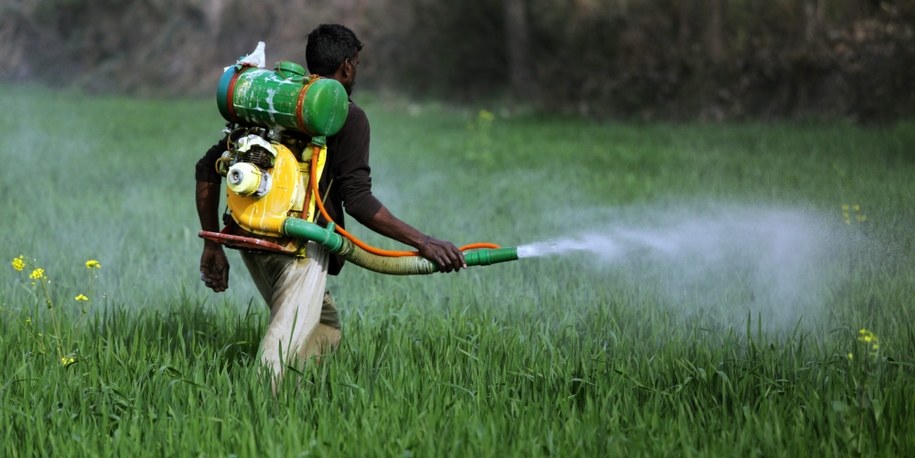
288, 69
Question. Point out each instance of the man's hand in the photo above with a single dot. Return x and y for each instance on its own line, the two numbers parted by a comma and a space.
214, 267
447, 256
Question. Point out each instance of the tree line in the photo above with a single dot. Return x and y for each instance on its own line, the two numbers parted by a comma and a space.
645, 59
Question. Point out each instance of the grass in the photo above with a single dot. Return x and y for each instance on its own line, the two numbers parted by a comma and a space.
551, 356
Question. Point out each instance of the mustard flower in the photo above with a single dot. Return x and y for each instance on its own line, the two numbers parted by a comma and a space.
19, 263
37, 274
81, 298
67, 360
93, 264
866, 336
869, 337
853, 213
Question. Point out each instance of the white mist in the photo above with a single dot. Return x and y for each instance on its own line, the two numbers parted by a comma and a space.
728, 262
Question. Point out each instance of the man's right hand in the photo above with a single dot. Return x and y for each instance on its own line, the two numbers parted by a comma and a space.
443, 253
214, 267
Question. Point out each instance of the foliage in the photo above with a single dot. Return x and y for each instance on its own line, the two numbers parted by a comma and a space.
553, 356
668, 59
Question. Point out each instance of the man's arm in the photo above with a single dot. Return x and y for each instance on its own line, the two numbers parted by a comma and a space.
353, 175
214, 266
447, 256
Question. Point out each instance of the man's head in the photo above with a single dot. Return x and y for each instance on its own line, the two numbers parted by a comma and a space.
333, 52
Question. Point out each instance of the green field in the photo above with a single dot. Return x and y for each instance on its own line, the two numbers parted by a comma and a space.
705, 350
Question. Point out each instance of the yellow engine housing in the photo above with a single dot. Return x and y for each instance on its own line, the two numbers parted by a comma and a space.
288, 196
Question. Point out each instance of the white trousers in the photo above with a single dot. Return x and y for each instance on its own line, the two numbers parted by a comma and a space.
303, 319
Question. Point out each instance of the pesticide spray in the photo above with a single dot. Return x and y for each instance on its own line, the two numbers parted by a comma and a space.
724, 261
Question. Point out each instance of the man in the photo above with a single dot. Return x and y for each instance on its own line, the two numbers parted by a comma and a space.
294, 286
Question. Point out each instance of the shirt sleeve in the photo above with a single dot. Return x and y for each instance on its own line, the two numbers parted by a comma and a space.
206, 166
352, 171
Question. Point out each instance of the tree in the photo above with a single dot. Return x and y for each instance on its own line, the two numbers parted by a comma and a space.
714, 30
517, 46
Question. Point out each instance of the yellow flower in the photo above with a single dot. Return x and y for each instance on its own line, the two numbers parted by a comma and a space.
37, 274
846, 214
67, 360
19, 263
869, 337
81, 298
93, 264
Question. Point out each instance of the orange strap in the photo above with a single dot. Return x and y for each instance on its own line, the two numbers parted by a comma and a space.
360, 243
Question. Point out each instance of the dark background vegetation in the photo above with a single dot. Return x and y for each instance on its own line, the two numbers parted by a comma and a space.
642, 59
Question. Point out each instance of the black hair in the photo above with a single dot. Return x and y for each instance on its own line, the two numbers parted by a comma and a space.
328, 46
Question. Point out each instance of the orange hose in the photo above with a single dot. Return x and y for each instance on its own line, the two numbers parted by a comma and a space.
478, 245
360, 243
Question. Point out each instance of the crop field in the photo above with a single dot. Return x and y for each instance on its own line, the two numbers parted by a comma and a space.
691, 290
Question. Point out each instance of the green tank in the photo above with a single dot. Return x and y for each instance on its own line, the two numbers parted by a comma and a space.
285, 96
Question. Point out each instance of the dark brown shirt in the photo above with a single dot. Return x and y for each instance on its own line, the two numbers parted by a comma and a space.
347, 172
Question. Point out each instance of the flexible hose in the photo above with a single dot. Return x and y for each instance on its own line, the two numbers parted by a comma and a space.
402, 265
359, 243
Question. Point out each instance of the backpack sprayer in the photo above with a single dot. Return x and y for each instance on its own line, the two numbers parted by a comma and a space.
272, 184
